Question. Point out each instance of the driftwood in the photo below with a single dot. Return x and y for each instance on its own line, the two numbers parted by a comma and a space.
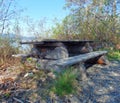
80, 58
62, 63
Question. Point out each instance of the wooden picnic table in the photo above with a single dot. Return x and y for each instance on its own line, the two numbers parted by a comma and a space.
58, 54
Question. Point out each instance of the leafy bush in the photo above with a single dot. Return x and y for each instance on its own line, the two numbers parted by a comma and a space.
114, 55
65, 83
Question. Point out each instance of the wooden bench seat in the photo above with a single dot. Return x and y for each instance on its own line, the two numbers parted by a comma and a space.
81, 60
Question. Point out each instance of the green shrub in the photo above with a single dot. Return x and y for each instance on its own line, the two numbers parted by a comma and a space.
113, 55
65, 83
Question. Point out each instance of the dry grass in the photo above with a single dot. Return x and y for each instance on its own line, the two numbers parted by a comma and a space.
6, 52
5, 63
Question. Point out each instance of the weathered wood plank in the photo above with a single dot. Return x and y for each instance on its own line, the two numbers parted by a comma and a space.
59, 65
74, 47
47, 41
80, 58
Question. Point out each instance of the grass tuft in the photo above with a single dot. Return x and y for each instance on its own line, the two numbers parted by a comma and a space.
65, 83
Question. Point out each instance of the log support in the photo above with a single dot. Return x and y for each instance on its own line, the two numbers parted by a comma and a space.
82, 72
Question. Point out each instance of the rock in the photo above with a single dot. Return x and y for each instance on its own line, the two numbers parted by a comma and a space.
74, 100
51, 56
35, 70
82, 72
57, 53
43, 79
34, 53
51, 75
86, 49
115, 62
48, 65
28, 75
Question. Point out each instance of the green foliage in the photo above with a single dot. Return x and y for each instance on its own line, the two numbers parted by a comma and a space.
65, 83
29, 59
114, 55
7, 95
90, 20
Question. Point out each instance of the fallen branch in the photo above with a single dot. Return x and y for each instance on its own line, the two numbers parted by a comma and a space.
18, 100
19, 55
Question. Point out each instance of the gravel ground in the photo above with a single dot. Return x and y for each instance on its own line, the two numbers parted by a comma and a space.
103, 86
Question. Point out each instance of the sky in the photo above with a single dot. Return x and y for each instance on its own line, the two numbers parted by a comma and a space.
37, 9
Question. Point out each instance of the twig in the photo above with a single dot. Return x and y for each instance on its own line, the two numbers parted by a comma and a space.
22, 90
18, 100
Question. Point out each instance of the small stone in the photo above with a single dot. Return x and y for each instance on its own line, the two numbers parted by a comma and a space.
43, 79
52, 94
51, 75
74, 100
28, 75
35, 71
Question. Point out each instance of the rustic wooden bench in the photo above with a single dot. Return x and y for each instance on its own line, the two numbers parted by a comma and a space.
81, 60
